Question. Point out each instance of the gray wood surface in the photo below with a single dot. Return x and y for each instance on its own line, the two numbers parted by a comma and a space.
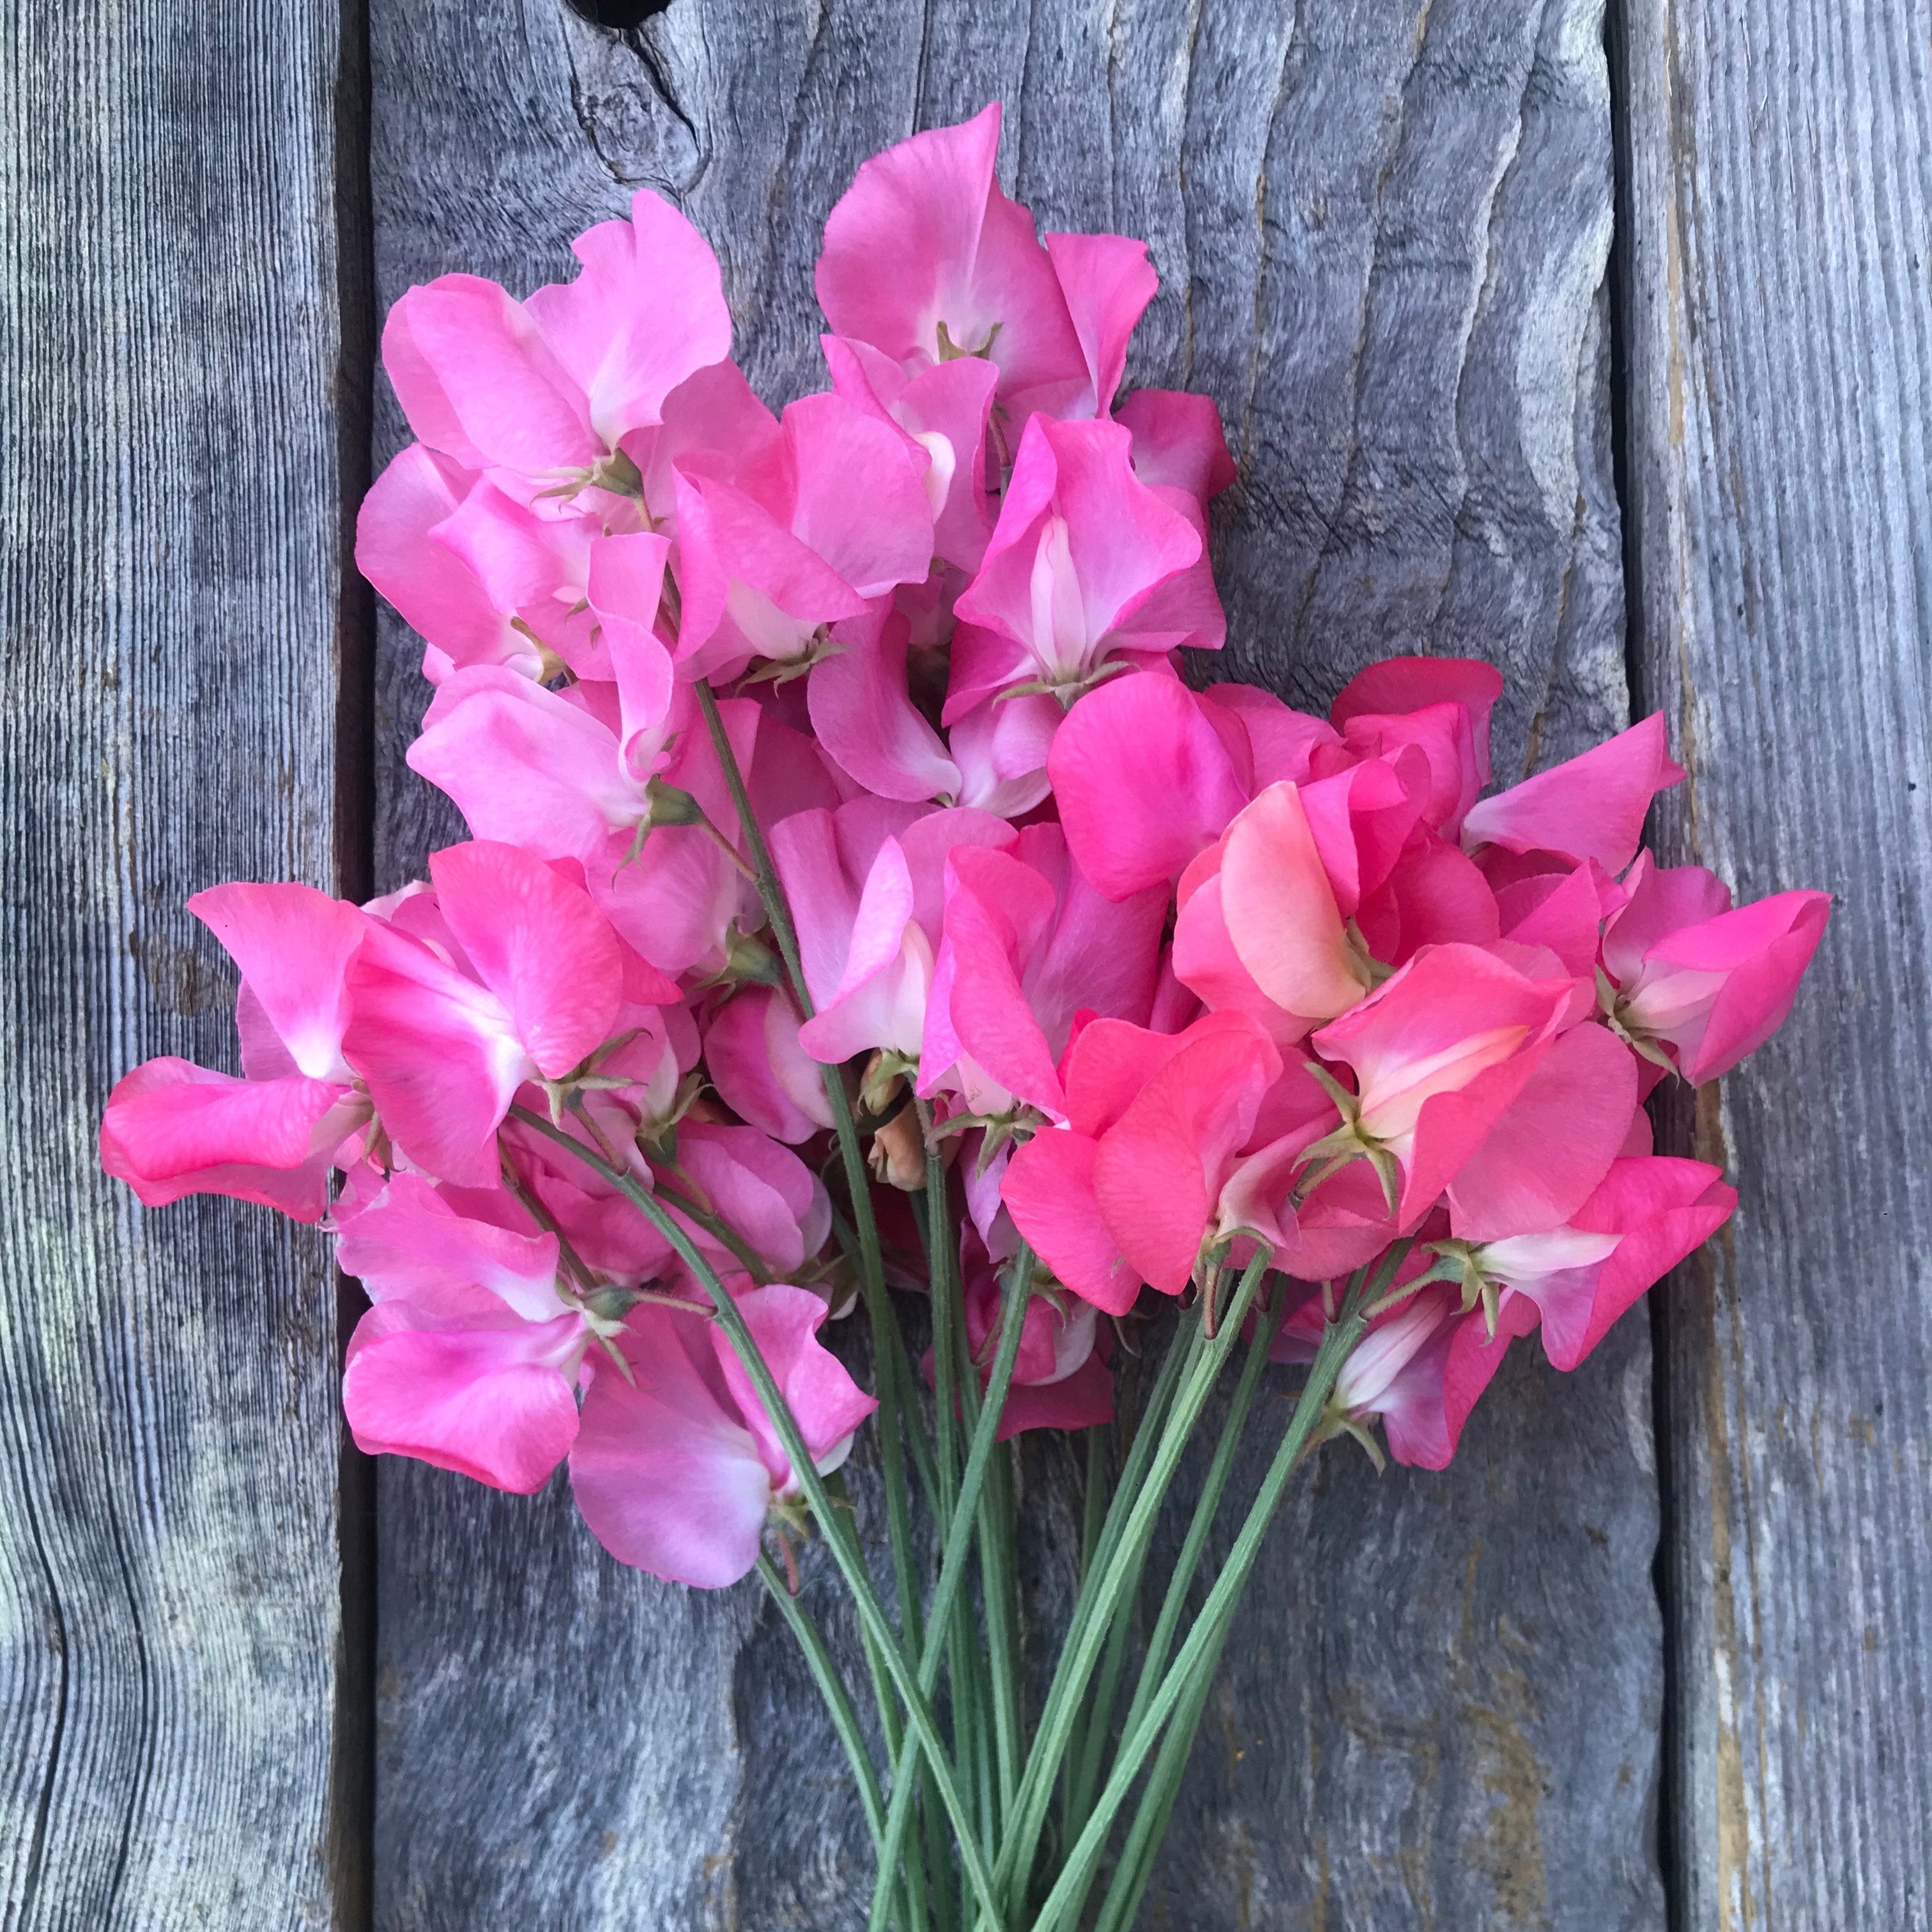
177, 1713
1382, 230
1780, 347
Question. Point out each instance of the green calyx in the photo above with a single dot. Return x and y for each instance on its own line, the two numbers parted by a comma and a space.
1350, 1141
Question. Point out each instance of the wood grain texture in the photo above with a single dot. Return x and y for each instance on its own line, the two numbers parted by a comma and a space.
171, 1624
1381, 227
1780, 210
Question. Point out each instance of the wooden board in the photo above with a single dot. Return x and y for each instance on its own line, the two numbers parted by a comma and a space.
1779, 345
1382, 229
178, 1717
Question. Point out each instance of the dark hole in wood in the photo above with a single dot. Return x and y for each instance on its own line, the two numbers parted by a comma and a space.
618, 13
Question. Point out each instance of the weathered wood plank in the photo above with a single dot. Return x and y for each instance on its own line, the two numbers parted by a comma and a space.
1779, 207
1381, 229
171, 1668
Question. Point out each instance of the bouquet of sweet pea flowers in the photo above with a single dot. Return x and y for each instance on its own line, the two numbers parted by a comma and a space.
862, 914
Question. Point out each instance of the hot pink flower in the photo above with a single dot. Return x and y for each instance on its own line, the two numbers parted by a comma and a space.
866, 719
994, 758
1439, 1054
677, 1466
544, 393
1261, 926
560, 774
752, 1054
942, 411
772, 553
1179, 443
928, 261
1647, 1214
1001, 748
1440, 705
1707, 981
1029, 944
1071, 580
775, 1204
456, 612
1140, 1179
1592, 807
866, 884
526, 987
1147, 774
172, 1128
1554, 1143
1421, 1368
1060, 1376
469, 1358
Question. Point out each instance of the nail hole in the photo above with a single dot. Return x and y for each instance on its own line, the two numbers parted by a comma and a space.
617, 13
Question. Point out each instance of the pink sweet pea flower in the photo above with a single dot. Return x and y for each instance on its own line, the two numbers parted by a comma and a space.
865, 717
1147, 774
928, 261
865, 885
1179, 443
1001, 748
604, 1228
676, 1467
773, 553
1591, 807
1707, 982
1068, 582
1441, 706
942, 413
1439, 1053
294, 945
1060, 1377
1420, 1369
172, 1128
775, 1203
543, 394
1316, 891
469, 1358
570, 775
1649, 1214
1554, 1143
752, 1054
1259, 930
1029, 944
525, 987
1141, 1179
438, 594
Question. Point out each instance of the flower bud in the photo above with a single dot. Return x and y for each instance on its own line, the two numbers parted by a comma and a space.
897, 1155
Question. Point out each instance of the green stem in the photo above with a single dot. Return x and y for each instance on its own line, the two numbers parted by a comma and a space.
1182, 1355
958, 1545
1088, 1760
1198, 1655
838, 1538
949, 1353
1094, 1496
1084, 1754
1174, 1604
1122, 1900
1081, 1654
999, 1582
825, 1675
